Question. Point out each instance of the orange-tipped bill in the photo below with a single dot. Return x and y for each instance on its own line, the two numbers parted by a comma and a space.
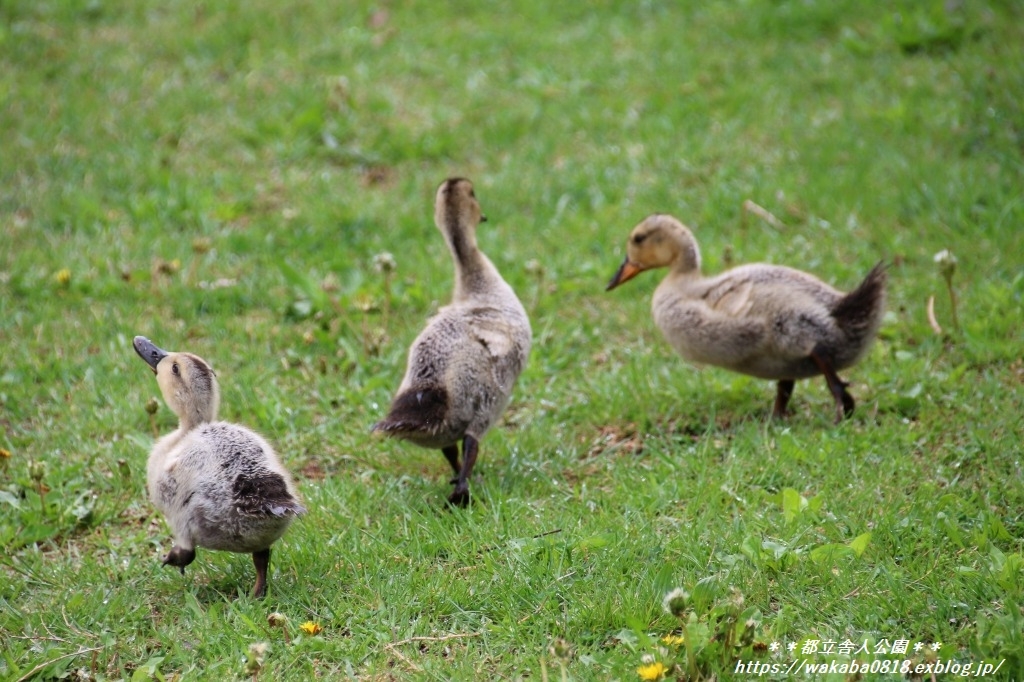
626, 272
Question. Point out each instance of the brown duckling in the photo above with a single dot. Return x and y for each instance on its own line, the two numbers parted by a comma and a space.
768, 321
462, 367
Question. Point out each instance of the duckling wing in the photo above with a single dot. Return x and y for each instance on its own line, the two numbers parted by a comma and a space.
460, 374
729, 296
262, 492
706, 335
758, 319
238, 464
501, 336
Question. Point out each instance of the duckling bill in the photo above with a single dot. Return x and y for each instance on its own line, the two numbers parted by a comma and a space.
462, 366
220, 485
767, 321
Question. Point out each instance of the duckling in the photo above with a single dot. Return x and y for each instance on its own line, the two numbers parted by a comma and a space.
768, 321
220, 485
462, 367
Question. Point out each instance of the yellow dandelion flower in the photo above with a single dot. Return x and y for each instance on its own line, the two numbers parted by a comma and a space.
5, 453
673, 640
63, 277
311, 628
652, 672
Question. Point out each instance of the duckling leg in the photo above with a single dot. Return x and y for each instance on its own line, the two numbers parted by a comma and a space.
451, 453
261, 560
460, 496
844, 401
782, 395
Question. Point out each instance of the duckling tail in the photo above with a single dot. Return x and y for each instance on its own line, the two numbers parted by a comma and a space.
859, 313
261, 492
416, 410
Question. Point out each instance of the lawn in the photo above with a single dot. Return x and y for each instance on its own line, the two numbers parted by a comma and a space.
224, 178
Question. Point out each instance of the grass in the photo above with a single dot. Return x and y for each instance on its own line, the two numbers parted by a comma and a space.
220, 178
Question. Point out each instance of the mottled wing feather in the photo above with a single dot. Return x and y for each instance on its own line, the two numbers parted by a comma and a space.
490, 328
264, 493
734, 301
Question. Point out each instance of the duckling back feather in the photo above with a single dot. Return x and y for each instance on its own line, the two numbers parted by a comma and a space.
221, 486
460, 374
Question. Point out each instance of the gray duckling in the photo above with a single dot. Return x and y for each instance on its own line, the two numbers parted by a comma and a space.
768, 321
462, 367
220, 485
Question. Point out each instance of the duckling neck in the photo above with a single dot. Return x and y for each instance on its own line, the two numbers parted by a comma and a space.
195, 413
473, 270
462, 243
687, 260
187, 421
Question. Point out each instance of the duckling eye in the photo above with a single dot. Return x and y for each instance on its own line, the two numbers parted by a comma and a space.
639, 238
175, 369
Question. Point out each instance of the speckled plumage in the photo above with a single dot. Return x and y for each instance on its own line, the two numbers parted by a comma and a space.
220, 485
463, 365
768, 321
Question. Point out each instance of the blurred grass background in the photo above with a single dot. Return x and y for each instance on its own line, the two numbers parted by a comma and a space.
220, 177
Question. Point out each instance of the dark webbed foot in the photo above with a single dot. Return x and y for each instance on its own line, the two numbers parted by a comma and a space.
460, 497
261, 560
848, 402
180, 557
782, 395
844, 401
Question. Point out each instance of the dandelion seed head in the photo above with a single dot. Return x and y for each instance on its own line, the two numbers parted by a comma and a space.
677, 602
384, 262
946, 262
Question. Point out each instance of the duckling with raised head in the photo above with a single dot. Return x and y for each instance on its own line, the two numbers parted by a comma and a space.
220, 485
462, 367
768, 321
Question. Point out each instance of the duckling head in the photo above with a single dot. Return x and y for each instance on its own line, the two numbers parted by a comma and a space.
457, 214
657, 242
188, 384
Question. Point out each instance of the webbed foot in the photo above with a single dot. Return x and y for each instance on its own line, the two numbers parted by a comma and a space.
180, 557
460, 497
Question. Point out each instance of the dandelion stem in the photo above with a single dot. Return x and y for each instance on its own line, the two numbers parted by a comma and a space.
952, 303
691, 656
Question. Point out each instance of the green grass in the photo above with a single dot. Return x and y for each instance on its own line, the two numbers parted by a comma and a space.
220, 179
